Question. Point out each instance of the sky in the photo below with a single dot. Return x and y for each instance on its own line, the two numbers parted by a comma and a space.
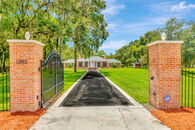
129, 19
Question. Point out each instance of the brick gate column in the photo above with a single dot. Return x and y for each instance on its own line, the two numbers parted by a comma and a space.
25, 77
165, 73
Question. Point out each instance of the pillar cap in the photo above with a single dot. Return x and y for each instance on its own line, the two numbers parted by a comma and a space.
169, 42
25, 41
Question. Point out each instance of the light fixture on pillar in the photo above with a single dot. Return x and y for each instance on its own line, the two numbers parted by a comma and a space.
163, 36
27, 35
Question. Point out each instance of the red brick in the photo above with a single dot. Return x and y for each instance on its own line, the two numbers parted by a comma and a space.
25, 79
164, 66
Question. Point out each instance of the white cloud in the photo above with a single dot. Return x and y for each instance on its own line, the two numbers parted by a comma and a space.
138, 27
162, 7
111, 26
191, 5
112, 8
114, 44
182, 6
179, 6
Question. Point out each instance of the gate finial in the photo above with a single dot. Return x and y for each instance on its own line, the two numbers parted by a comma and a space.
163, 36
27, 35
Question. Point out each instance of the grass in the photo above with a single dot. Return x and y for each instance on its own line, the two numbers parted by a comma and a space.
71, 77
188, 87
4, 87
134, 82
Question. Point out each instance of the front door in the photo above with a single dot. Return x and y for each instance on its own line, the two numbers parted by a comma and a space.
92, 65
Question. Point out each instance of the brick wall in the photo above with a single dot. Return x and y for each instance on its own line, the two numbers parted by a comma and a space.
25, 79
165, 68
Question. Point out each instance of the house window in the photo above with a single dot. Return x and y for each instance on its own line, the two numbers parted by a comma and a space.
117, 64
72, 64
98, 64
86, 64
110, 64
104, 64
80, 64
66, 64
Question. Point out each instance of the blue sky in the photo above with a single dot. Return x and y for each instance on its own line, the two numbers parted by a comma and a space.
129, 19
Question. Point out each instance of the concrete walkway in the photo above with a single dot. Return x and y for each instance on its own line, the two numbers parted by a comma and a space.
134, 117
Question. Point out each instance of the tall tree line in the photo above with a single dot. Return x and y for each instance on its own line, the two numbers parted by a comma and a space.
175, 29
55, 23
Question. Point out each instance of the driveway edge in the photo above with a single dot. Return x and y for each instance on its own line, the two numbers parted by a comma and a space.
121, 91
60, 100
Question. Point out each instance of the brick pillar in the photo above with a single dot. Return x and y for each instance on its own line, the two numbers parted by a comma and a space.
165, 73
25, 78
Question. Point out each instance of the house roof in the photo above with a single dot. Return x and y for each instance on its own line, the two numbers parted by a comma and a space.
136, 63
113, 60
92, 58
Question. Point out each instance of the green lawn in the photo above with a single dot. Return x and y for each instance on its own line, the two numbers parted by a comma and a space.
4, 97
188, 87
134, 82
70, 77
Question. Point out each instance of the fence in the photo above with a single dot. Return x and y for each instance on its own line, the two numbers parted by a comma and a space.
188, 86
4, 91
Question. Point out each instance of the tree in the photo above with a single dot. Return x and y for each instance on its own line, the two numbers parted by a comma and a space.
111, 56
100, 53
55, 23
174, 29
89, 27
137, 50
188, 48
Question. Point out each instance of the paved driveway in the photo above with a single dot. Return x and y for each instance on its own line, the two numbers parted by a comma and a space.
94, 90
115, 116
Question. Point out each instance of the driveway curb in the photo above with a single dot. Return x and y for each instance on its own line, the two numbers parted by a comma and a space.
60, 100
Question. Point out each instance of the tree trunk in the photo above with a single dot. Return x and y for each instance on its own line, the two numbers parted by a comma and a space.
60, 47
4, 68
75, 57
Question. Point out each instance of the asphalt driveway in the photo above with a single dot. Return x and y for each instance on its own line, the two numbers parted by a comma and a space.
94, 90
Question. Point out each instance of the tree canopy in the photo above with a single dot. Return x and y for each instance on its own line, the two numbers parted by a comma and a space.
57, 23
137, 51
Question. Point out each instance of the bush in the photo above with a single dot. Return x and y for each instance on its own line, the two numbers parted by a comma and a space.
114, 65
70, 65
122, 65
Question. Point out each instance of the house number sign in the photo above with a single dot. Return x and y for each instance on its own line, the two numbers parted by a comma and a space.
21, 61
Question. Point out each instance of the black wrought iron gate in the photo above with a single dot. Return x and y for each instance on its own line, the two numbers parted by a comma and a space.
52, 77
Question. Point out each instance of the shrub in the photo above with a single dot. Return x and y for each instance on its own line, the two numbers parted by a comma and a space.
114, 65
70, 65
122, 65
